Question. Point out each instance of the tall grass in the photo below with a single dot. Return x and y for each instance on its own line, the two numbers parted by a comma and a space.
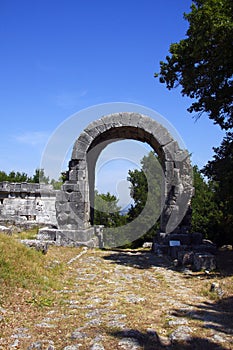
24, 267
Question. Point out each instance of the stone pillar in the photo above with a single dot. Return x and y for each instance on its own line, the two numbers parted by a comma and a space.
72, 204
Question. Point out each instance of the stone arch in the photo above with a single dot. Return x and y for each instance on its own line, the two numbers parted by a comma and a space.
73, 204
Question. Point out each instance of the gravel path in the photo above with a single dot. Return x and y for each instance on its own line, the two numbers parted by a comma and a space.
126, 301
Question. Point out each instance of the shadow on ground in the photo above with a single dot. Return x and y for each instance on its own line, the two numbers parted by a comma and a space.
217, 316
225, 263
139, 259
144, 259
133, 339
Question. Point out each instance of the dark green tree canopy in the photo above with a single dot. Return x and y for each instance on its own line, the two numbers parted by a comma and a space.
13, 176
107, 211
202, 62
146, 186
220, 170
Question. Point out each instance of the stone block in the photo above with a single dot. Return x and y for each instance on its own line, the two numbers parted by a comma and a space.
170, 150
196, 238
78, 154
36, 244
204, 261
92, 132
102, 127
173, 252
70, 187
47, 234
204, 248
73, 175
81, 175
185, 258
125, 118
6, 230
185, 239
74, 237
111, 121
135, 119
169, 171
76, 197
62, 219
62, 196
122, 119
180, 157
161, 135
79, 150
85, 138
160, 249
63, 207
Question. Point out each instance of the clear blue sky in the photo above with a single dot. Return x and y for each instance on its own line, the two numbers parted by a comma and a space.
58, 57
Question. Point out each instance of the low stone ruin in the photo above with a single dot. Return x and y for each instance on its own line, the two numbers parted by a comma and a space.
186, 249
25, 203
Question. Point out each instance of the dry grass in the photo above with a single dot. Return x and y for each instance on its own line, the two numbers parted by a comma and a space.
142, 291
26, 234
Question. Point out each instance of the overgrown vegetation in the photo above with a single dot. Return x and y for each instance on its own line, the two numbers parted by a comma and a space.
24, 267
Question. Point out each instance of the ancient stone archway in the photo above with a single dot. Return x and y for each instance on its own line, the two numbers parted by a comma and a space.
73, 204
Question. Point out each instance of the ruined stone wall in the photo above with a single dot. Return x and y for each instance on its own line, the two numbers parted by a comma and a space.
21, 202
75, 200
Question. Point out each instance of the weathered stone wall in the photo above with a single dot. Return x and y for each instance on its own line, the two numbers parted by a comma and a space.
27, 202
76, 198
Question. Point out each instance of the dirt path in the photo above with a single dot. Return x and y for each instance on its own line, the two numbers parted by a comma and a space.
126, 301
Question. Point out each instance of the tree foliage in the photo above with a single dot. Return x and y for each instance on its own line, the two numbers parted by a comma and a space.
107, 211
205, 211
38, 176
14, 176
202, 62
146, 190
212, 206
220, 171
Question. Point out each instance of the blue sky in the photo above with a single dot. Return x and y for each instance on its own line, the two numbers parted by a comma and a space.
59, 57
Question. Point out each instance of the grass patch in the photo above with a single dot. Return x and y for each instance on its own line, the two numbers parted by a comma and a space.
41, 301
27, 234
24, 267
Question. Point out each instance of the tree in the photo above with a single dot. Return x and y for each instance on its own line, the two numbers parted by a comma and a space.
39, 177
146, 190
17, 177
220, 170
206, 213
13, 176
107, 211
3, 176
202, 63
57, 184
138, 192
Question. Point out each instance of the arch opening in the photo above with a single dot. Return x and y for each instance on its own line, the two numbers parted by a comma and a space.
120, 162
76, 199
